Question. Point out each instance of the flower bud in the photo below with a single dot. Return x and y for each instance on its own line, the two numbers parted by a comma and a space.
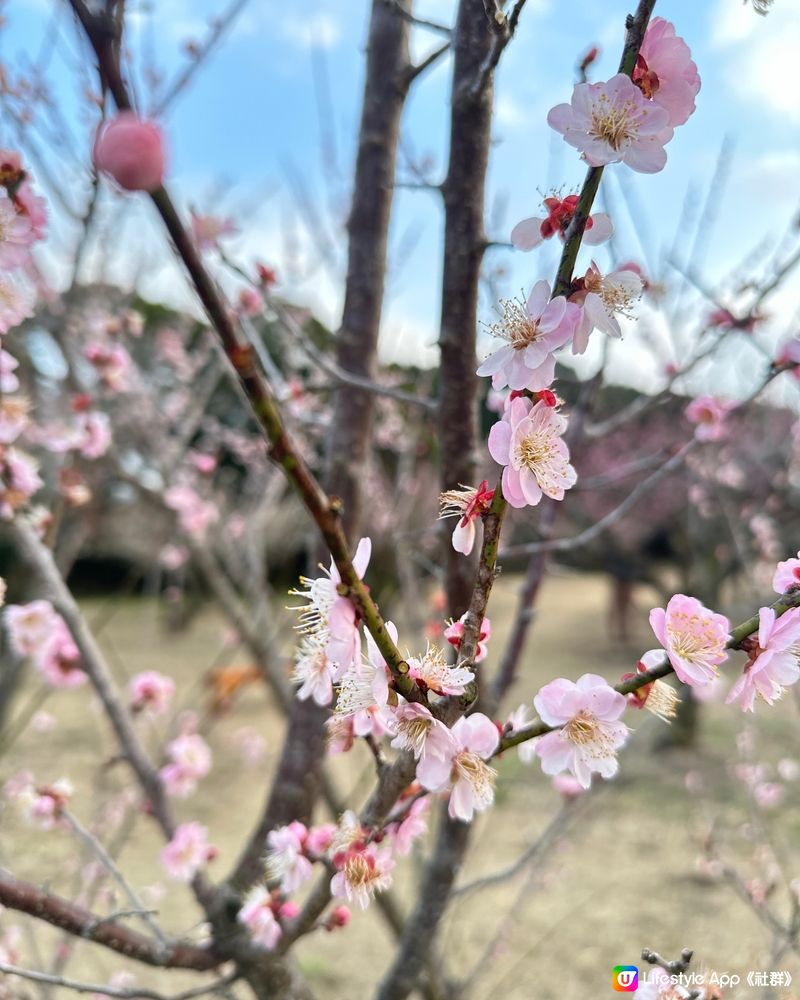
130, 150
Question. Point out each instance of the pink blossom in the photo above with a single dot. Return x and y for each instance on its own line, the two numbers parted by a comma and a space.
190, 760
708, 415
768, 794
433, 673
787, 575
94, 430
172, 557
363, 871
286, 860
417, 730
207, 230
30, 626
527, 442
612, 122
665, 73
602, 298
413, 825
8, 365
258, 916
560, 211
694, 637
16, 236
20, 480
58, 660
567, 786
187, 852
42, 805
587, 713
464, 770
338, 917
320, 838
454, 634
312, 671
112, 363
773, 664
33, 207
364, 691
331, 618
151, 692
130, 150
13, 417
467, 504
250, 302
16, 303
194, 513
517, 721
532, 331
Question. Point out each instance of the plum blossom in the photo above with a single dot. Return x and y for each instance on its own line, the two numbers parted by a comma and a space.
30, 626
16, 236
94, 434
286, 860
416, 729
515, 723
413, 825
532, 331
194, 513
773, 664
59, 658
528, 443
363, 871
602, 298
454, 633
208, 230
364, 691
532, 232
130, 150
150, 692
787, 575
189, 761
694, 637
312, 671
258, 916
665, 72
333, 618
187, 852
112, 363
587, 713
657, 697
14, 417
614, 122
434, 673
41, 805
768, 794
708, 415
16, 302
467, 504
8, 365
464, 770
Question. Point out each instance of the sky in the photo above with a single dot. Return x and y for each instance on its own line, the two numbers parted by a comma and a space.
266, 134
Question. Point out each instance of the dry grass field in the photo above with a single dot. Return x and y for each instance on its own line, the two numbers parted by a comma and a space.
623, 871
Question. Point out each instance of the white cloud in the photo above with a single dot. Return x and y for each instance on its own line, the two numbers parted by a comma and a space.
761, 67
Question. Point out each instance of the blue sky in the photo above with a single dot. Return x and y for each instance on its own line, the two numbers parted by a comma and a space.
251, 125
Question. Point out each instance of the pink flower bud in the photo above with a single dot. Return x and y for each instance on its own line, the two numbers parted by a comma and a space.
131, 151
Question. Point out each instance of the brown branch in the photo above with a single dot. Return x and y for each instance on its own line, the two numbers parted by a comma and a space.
28, 898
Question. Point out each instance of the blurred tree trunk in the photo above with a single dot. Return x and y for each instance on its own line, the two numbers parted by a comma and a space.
296, 784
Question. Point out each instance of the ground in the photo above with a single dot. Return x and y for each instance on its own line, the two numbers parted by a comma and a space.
624, 872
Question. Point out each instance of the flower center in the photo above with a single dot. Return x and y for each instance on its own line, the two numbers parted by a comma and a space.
582, 729
612, 123
472, 768
415, 732
359, 869
534, 451
516, 325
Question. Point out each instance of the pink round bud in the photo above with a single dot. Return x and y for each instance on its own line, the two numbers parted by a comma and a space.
130, 150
